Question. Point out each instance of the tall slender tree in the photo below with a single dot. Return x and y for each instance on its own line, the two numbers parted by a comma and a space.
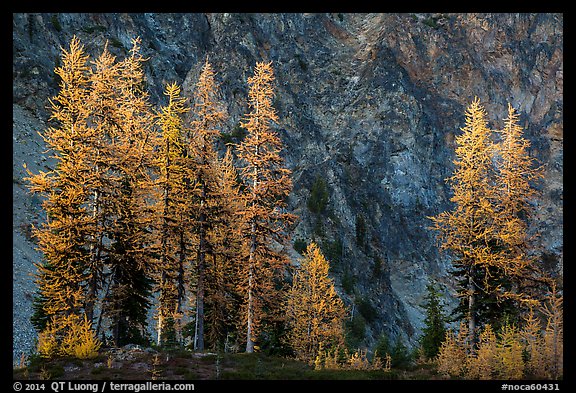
62, 238
485, 364
104, 119
516, 175
267, 184
208, 116
467, 230
554, 333
221, 297
128, 258
172, 211
487, 231
102, 145
536, 362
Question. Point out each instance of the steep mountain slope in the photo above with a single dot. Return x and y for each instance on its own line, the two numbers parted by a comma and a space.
370, 103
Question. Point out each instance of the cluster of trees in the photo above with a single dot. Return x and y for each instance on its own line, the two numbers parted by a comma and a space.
487, 230
497, 274
144, 213
513, 352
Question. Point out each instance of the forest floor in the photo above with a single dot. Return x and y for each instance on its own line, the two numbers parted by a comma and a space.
138, 364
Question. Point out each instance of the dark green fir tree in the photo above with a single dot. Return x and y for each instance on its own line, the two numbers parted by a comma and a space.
435, 330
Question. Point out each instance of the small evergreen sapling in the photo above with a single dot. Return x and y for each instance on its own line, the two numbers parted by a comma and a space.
435, 323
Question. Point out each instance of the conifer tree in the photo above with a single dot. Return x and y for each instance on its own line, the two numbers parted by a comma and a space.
68, 335
487, 231
208, 115
517, 172
61, 239
452, 356
39, 318
102, 105
100, 146
485, 363
101, 149
466, 231
128, 256
221, 274
534, 346
399, 355
172, 210
267, 184
509, 353
315, 313
435, 321
554, 334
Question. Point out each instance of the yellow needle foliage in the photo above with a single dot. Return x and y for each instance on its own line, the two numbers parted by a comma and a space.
69, 336
486, 231
135, 196
485, 364
314, 311
554, 334
509, 353
62, 237
534, 344
514, 193
95, 197
172, 209
208, 116
221, 273
533, 350
268, 184
467, 229
451, 357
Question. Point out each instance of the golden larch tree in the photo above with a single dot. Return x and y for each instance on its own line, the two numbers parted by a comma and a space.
131, 158
516, 174
485, 363
221, 297
267, 185
69, 335
314, 312
104, 123
534, 346
452, 357
509, 353
208, 116
173, 206
102, 148
467, 231
488, 230
61, 239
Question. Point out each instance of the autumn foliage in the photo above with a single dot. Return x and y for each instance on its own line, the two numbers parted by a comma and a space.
315, 313
172, 211
487, 234
147, 212
267, 185
62, 238
68, 336
531, 350
141, 201
486, 231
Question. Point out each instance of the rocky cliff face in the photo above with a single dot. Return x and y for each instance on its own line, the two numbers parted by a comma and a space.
370, 103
